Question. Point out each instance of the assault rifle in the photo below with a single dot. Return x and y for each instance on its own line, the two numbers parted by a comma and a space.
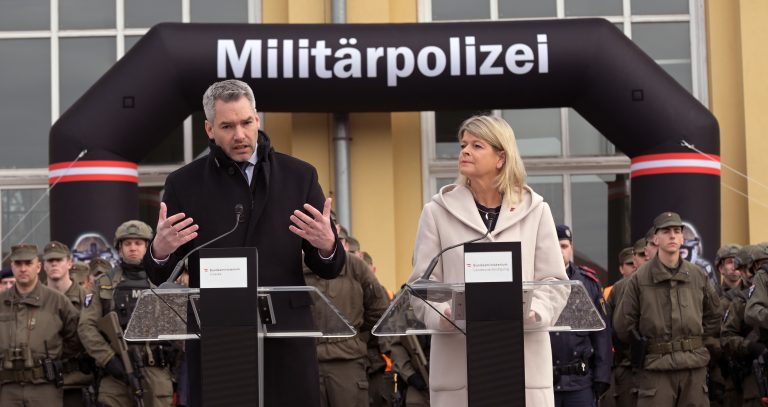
109, 325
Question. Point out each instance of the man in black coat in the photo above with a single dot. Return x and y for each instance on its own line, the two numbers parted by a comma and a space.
278, 197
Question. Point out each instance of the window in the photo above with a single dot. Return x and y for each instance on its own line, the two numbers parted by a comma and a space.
579, 172
85, 37
52, 51
23, 218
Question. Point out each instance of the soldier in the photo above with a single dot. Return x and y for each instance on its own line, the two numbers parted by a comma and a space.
740, 341
99, 267
57, 261
730, 280
582, 362
756, 313
354, 246
343, 361
80, 274
150, 361
620, 393
398, 370
6, 279
38, 327
651, 247
668, 312
626, 268
639, 257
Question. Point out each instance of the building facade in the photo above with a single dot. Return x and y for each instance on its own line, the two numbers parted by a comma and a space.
52, 51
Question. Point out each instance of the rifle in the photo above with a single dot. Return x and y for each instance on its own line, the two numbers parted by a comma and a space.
418, 358
109, 325
758, 368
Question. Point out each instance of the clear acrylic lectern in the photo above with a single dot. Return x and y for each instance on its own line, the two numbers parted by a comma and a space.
162, 315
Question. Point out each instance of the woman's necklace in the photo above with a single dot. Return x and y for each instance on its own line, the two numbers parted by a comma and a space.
489, 215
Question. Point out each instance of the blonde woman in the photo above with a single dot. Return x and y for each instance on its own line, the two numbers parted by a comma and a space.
490, 193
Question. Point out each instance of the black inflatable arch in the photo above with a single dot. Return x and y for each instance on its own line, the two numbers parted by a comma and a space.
586, 64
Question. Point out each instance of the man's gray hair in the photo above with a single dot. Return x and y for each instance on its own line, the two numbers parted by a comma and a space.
229, 90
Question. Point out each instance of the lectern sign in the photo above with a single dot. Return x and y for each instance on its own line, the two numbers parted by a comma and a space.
487, 267
224, 272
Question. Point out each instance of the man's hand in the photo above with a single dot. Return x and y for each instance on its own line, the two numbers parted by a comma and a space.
315, 227
171, 232
599, 389
116, 369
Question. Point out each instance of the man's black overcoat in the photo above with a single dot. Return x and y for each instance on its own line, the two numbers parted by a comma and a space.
208, 190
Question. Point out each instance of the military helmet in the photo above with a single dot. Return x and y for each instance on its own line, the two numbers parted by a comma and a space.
729, 250
744, 257
132, 229
759, 253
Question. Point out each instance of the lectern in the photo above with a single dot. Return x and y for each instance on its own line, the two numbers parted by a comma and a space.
493, 309
231, 315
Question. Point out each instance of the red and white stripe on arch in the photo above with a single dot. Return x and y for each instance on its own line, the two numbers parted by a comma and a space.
96, 170
670, 163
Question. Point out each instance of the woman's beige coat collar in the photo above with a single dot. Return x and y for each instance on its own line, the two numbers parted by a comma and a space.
458, 200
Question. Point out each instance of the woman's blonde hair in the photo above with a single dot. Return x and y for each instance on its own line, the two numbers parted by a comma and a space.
497, 132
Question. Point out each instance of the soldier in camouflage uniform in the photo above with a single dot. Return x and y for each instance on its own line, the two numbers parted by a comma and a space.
740, 340
118, 292
670, 303
343, 362
38, 329
57, 262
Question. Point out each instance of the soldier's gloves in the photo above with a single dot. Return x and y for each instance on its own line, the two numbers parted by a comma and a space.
86, 364
417, 381
115, 369
755, 349
600, 388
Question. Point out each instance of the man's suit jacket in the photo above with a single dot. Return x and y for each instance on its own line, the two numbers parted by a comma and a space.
208, 190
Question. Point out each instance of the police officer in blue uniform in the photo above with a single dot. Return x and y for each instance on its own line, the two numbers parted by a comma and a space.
582, 360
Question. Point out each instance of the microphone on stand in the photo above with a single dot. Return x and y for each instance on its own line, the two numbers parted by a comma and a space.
171, 282
432, 264
434, 293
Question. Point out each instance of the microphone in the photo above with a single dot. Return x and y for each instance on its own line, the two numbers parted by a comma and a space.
438, 294
170, 283
432, 264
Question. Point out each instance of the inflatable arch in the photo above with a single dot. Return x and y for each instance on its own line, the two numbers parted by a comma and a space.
586, 64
